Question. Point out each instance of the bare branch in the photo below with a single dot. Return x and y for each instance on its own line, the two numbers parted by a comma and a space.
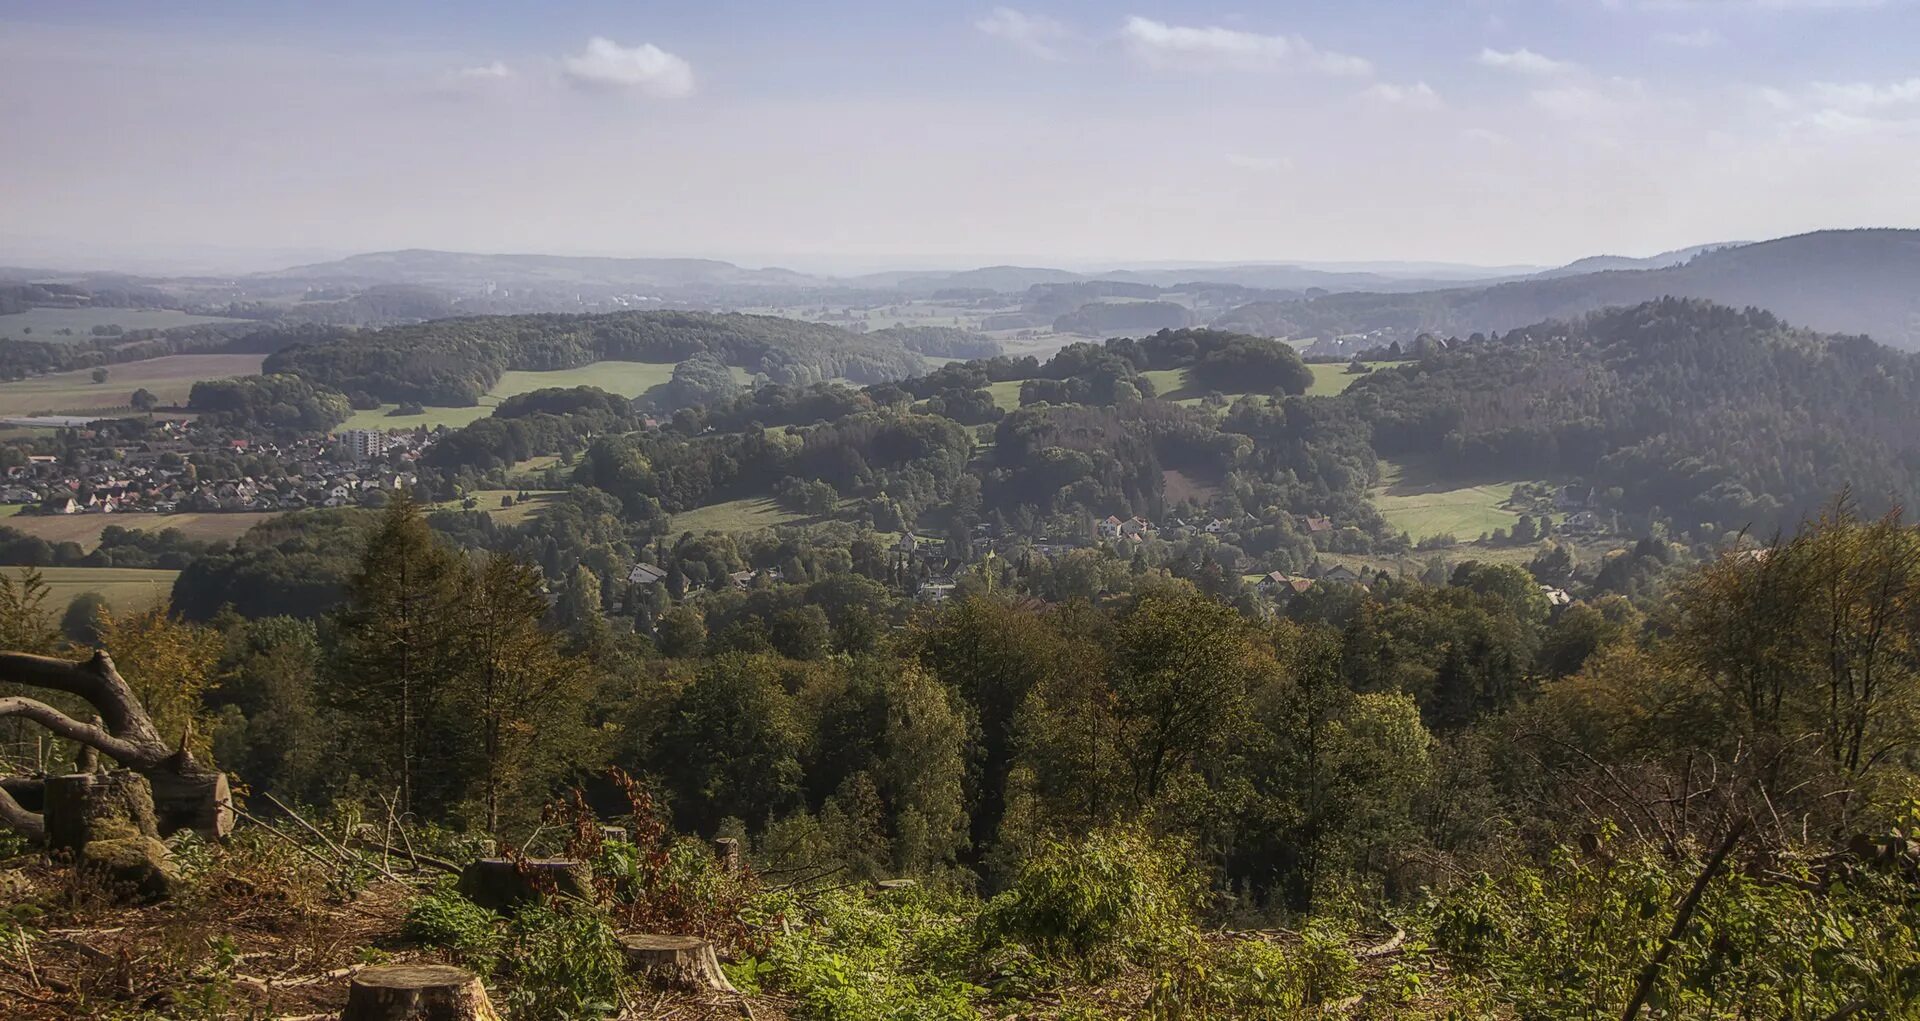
62, 725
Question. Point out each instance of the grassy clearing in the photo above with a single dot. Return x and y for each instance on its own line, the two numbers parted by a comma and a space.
127, 589
749, 515
628, 379
45, 323
169, 378
1331, 380
1006, 394
489, 500
1416, 500
85, 529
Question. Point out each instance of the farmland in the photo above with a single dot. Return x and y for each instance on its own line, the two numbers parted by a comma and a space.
85, 529
169, 378
1415, 501
45, 324
126, 589
628, 379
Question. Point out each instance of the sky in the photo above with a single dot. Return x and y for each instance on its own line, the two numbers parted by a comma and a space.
892, 133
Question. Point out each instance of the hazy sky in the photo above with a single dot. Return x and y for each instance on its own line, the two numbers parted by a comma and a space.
1488, 131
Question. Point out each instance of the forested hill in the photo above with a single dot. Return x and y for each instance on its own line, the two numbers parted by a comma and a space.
1708, 414
1855, 281
454, 361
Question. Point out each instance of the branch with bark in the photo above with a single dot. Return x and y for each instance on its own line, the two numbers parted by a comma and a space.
187, 795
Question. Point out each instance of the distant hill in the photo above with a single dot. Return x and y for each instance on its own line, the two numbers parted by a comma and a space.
1846, 281
1611, 263
463, 271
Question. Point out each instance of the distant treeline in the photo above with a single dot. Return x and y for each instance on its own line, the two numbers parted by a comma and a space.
453, 362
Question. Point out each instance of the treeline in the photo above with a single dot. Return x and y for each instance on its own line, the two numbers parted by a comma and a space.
274, 403
455, 361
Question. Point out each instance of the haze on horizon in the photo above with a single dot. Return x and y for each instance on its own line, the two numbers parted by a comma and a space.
855, 135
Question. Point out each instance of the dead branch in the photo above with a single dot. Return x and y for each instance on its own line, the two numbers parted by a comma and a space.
1681, 919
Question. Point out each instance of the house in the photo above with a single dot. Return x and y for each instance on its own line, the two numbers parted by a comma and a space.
1318, 525
1283, 586
645, 574
1571, 498
1109, 528
1583, 521
741, 579
1556, 597
937, 589
1340, 574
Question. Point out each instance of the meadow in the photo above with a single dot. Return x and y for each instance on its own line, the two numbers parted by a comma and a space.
126, 589
1332, 380
628, 379
488, 500
45, 324
170, 379
749, 515
85, 529
1415, 500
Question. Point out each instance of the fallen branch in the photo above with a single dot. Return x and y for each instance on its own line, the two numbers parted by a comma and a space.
1681, 919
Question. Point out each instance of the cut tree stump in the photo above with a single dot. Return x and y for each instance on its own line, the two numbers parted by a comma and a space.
683, 962
727, 851
85, 807
200, 800
417, 992
502, 884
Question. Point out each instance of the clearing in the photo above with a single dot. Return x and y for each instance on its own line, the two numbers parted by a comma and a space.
628, 379
125, 588
1416, 500
1331, 379
85, 529
169, 378
489, 500
749, 515
45, 324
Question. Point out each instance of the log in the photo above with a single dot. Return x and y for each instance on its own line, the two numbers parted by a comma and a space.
417, 992
200, 800
502, 884
681, 962
84, 807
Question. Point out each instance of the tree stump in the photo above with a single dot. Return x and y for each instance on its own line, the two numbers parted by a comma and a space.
615, 835
417, 992
502, 884
85, 807
727, 850
683, 962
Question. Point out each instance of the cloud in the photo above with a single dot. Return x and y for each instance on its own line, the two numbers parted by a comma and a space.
645, 68
1698, 39
1158, 44
1034, 33
1868, 96
485, 72
1857, 108
1418, 96
1524, 61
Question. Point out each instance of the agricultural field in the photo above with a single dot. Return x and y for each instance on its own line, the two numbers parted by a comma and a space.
170, 379
629, 379
45, 324
749, 515
1332, 379
126, 589
85, 529
1415, 500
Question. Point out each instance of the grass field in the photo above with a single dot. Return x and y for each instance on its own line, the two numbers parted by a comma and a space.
1330, 380
750, 515
126, 589
85, 528
489, 500
1006, 394
1415, 500
45, 323
169, 378
628, 379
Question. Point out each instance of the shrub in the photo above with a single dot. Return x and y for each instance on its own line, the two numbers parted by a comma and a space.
1113, 896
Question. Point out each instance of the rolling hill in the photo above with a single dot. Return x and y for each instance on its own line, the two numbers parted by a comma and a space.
1851, 281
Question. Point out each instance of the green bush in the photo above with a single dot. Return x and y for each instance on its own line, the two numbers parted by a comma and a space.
447, 920
563, 963
1116, 895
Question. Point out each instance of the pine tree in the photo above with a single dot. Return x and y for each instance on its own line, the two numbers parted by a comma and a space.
397, 644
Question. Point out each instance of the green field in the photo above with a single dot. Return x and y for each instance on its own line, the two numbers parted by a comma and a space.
749, 515
1006, 394
85, 529
628, 379
169, 378
125, 588
1330, 380
489, 500
45, 323
1415, 500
